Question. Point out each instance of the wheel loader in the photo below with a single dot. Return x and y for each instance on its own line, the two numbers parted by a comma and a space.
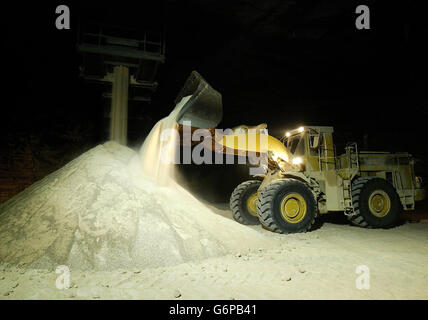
307, 178
304, 176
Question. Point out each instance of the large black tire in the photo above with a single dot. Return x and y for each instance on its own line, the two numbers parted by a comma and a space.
239, 199
368, 216
270, 202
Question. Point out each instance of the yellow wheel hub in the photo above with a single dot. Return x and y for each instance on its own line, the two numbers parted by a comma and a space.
252, 204
379, 203
293, 207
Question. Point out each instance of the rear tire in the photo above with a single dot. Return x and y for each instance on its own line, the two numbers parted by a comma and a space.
376, 203
243, 202
287, 206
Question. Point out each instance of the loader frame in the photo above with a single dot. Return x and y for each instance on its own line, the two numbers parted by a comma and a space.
330, 176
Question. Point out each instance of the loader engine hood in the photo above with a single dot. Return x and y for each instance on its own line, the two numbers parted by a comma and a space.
204, 108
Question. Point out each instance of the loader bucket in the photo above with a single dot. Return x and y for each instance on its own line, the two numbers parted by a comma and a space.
204, 109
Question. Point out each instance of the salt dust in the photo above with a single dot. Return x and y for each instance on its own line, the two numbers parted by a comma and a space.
114, 208
159, 148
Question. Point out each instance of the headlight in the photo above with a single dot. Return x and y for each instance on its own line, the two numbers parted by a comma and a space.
287, 134
297, 160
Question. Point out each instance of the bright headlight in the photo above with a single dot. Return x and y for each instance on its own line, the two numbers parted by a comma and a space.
297, 160
287, 134
301, 129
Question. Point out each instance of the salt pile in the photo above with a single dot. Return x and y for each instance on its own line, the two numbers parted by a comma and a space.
100, 212
114, 208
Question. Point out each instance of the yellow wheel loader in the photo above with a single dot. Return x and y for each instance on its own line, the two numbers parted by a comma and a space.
303, 176
306, 178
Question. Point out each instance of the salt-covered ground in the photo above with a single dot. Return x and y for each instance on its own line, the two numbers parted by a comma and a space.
317, 265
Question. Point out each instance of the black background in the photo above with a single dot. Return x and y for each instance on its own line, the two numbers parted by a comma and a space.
264, 308
286, 63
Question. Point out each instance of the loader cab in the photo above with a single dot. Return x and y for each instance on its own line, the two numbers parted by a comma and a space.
312, 146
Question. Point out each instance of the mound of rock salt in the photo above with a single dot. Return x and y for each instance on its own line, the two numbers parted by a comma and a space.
101, 212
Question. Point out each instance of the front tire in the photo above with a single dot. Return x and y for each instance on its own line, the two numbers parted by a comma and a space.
376, 203
287, 206
243, 202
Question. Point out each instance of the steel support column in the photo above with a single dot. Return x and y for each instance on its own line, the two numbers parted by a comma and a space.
119, 105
